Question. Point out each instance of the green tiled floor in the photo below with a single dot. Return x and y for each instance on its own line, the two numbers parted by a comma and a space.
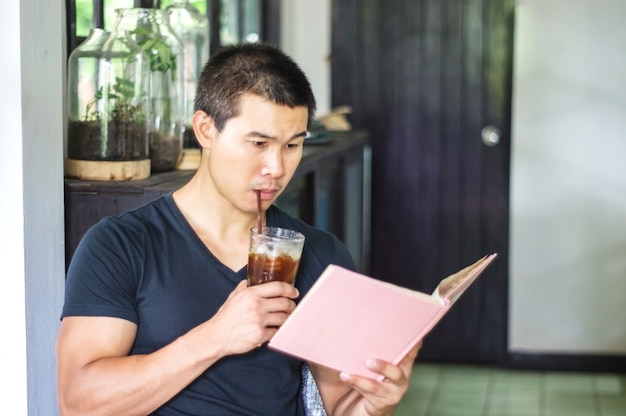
457, 390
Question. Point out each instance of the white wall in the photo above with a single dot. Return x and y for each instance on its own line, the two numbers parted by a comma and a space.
12, 295
568, 187
31, 213
305, 36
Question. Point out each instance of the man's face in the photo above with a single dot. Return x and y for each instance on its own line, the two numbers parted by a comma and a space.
258, 150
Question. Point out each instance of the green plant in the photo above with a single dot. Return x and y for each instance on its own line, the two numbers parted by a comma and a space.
162, 61
121, 94
159, 52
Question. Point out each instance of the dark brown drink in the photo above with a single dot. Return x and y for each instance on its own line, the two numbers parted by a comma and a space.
262, 268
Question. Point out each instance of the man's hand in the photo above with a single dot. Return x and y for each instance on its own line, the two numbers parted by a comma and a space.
362, 395
251, 315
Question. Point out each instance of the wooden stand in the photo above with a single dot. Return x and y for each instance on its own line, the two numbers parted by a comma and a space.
189, 160
96, 170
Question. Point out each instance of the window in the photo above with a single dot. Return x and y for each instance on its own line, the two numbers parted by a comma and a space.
239, 20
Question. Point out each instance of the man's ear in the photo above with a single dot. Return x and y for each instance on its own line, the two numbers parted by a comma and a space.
203, 128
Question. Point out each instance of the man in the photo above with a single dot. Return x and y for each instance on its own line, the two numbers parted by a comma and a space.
158, 318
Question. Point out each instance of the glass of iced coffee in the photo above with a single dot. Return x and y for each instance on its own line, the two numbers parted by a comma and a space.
274, 255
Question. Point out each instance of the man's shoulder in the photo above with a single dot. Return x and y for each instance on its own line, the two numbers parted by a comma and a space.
135, 222
152, 211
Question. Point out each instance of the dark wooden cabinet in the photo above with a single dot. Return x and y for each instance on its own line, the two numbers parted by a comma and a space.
330, 190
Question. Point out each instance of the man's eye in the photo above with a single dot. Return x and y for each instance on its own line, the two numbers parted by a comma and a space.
259, 144
293, 145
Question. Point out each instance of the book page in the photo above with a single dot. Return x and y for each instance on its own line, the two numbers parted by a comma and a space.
453, 286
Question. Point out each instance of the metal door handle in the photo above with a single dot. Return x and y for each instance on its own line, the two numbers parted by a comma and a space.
491, 135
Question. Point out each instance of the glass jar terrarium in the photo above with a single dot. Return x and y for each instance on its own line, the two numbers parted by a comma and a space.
151, 32
192, 28
108, 109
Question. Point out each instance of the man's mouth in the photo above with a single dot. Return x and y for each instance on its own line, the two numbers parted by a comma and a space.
266, 194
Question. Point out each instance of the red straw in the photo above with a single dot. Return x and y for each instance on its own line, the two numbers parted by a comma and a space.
258, 211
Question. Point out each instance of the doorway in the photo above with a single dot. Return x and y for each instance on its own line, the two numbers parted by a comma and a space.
430, 80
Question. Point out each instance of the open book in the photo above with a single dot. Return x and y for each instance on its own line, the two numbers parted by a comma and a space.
348, 317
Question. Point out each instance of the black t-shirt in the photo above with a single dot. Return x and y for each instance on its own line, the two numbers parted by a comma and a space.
149, 267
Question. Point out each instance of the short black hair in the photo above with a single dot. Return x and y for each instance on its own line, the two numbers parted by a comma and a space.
254, 68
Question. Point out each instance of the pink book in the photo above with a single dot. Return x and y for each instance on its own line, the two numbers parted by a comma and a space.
348, 317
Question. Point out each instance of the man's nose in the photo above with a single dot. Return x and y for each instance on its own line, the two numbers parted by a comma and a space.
274, 164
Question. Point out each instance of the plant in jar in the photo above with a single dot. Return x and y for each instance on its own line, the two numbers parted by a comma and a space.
164, 51
108, 99
192, 28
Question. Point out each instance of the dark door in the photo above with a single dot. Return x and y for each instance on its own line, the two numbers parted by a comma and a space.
428, 79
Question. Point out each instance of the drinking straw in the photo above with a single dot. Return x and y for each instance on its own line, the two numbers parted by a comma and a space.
258, 211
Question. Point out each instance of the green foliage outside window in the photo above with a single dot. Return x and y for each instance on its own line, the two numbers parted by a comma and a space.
84, 17
84, 13
199, 4
238, 21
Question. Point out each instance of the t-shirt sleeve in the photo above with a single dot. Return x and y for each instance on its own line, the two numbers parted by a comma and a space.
342, 255
323, 249
101, 279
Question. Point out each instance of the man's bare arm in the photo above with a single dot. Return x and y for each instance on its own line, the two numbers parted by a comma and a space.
96, 375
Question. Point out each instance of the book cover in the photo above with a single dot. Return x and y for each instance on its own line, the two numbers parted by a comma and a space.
348, 317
